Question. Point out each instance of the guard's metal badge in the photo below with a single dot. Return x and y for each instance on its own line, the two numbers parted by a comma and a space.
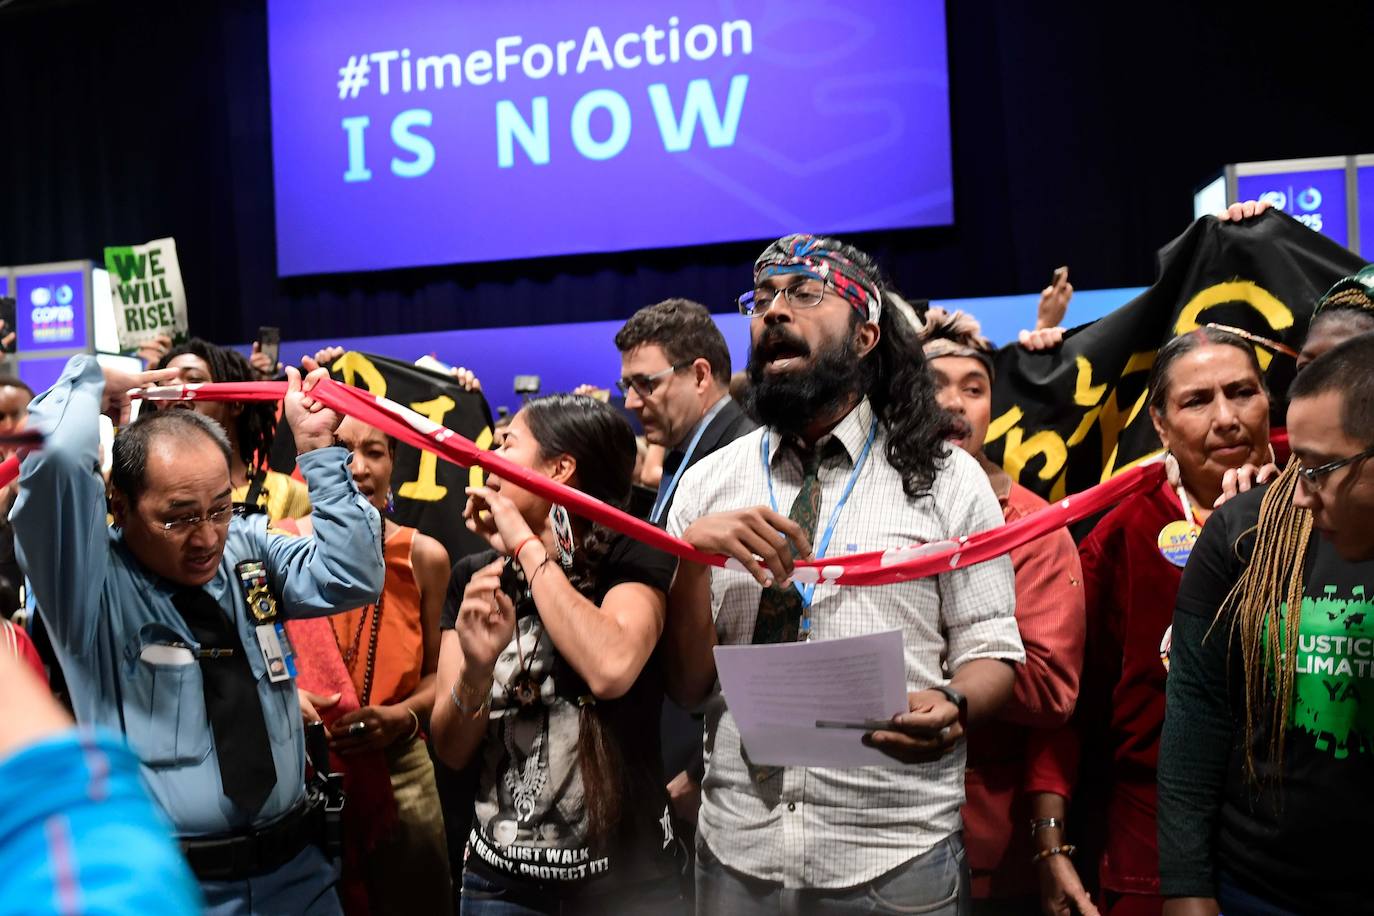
262, 604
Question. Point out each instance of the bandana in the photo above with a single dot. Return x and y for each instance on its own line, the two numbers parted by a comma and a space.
818, 259
955, 334
945, 347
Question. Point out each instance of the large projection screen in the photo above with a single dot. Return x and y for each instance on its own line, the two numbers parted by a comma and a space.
423, 132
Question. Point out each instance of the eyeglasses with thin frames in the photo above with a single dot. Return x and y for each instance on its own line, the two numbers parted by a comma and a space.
805, 295
218, 518
645, 385
1313, 476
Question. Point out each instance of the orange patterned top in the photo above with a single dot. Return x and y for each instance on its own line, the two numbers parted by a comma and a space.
400, 650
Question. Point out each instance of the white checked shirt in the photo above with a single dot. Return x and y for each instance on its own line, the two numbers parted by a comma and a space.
834, 828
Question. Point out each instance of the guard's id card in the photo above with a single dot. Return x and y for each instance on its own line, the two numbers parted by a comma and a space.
276, 652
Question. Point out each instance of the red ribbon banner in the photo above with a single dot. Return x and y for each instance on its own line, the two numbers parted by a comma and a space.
875, 568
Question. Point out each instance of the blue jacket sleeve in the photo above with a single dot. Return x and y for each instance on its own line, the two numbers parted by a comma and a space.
61, 539
78, 832
341, 567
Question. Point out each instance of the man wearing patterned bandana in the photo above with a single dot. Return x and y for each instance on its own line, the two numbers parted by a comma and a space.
855, 444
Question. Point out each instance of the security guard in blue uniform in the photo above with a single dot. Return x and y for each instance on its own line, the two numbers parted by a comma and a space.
168, 625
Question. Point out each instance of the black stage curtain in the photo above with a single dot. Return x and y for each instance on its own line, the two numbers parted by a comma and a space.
1079, 132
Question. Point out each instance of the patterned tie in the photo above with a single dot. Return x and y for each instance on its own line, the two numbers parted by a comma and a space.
780, 609
246, 768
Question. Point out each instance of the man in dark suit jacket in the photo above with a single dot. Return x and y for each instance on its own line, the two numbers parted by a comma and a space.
675, 369
676, 379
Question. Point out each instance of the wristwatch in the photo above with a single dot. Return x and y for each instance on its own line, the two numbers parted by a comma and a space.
957, 698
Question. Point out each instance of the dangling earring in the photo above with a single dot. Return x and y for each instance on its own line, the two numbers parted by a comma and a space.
1171, 470
562, 535
390, 502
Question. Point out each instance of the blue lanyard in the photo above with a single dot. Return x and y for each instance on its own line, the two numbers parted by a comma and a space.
807, 591
661, 503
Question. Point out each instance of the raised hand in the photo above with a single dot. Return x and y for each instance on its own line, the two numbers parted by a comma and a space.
495, 518
485, 624
312, 423
116, 402
1242, 210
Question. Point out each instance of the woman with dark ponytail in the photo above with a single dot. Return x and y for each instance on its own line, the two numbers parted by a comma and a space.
546, 679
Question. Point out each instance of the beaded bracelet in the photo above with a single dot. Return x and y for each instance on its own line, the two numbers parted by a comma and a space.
1053, 851
453, 695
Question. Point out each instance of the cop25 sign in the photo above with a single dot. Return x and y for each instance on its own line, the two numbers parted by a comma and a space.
443, 131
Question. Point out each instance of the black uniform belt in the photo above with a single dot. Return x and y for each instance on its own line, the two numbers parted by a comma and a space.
239, 856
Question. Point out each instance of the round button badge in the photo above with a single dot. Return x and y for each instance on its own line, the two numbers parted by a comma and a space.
1176, 541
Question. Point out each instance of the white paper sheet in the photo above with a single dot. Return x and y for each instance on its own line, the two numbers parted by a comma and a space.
778, 692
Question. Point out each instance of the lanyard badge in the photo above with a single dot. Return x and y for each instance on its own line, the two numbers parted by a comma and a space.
262, 604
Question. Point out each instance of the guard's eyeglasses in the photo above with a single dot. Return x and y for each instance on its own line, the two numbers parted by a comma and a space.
218, 518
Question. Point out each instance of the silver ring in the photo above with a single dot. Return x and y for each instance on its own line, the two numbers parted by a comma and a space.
944, 733
357, 727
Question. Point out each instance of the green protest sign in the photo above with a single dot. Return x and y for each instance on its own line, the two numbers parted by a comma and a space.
147, 293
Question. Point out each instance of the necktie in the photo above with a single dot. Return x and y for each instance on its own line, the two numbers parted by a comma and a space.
246, 769
780, 609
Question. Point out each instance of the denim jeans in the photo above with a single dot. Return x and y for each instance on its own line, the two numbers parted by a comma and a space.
1234, 901
935, 883
486, 898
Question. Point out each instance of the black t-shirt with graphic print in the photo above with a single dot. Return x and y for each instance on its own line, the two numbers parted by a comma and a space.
1299, 836
530, 825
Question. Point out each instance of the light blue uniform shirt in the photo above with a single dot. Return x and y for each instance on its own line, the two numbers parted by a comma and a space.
103, 609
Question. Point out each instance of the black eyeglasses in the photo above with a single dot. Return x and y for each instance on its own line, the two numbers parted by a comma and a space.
644, 385
760, 299
1313, 476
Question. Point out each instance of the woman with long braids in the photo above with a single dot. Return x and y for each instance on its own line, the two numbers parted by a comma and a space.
546, 679
1266, 767
250, 428
1210, 408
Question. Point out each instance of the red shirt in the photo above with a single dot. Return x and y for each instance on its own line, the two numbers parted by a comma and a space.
1003, 755
1130, 590
14, 641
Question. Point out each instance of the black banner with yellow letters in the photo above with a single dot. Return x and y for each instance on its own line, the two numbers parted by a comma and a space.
1065, 420
428, 493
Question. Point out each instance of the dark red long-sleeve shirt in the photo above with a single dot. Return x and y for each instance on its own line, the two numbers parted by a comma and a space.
1004, 755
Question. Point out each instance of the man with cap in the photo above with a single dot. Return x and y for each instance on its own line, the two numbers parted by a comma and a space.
168, 625
1003, 780
856, 445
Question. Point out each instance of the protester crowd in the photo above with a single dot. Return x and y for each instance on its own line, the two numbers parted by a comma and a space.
267, 671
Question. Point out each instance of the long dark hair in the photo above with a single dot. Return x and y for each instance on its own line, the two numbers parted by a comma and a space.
256, 424
897, 380
903, 396
600, 440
